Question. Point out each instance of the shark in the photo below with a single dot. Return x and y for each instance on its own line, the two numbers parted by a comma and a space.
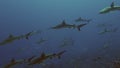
104, 31
107, 31
65, 25
41, 41
67, 42
13, 62
38, 60
112, 7
44, 57
82, 20
12, 38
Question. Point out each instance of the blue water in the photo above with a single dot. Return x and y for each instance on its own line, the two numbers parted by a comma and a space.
18, 17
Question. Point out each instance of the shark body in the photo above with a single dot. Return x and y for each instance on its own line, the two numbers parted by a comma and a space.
112, 7
38, 60
13, 62
65, 25
108, 31
44, 57
12, 38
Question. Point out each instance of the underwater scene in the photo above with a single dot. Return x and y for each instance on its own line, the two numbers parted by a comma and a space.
59, 33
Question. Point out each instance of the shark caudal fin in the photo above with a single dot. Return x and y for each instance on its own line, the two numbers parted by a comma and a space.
78, 27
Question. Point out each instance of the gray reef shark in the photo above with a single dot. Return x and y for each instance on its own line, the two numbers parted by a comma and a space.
65, 25
104, 31
107, 31
12, 38
67, 42
44, 57
38, 60
13, 62
82, 20
112, 7
41, 41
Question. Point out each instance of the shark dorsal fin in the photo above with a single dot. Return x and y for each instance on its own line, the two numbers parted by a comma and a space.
112, 5
43, 55
10, 36
63, 23
80, 18
12, 60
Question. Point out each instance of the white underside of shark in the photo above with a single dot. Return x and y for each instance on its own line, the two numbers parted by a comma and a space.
109, 9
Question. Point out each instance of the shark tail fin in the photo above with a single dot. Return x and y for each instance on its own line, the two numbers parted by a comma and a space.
78, 27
